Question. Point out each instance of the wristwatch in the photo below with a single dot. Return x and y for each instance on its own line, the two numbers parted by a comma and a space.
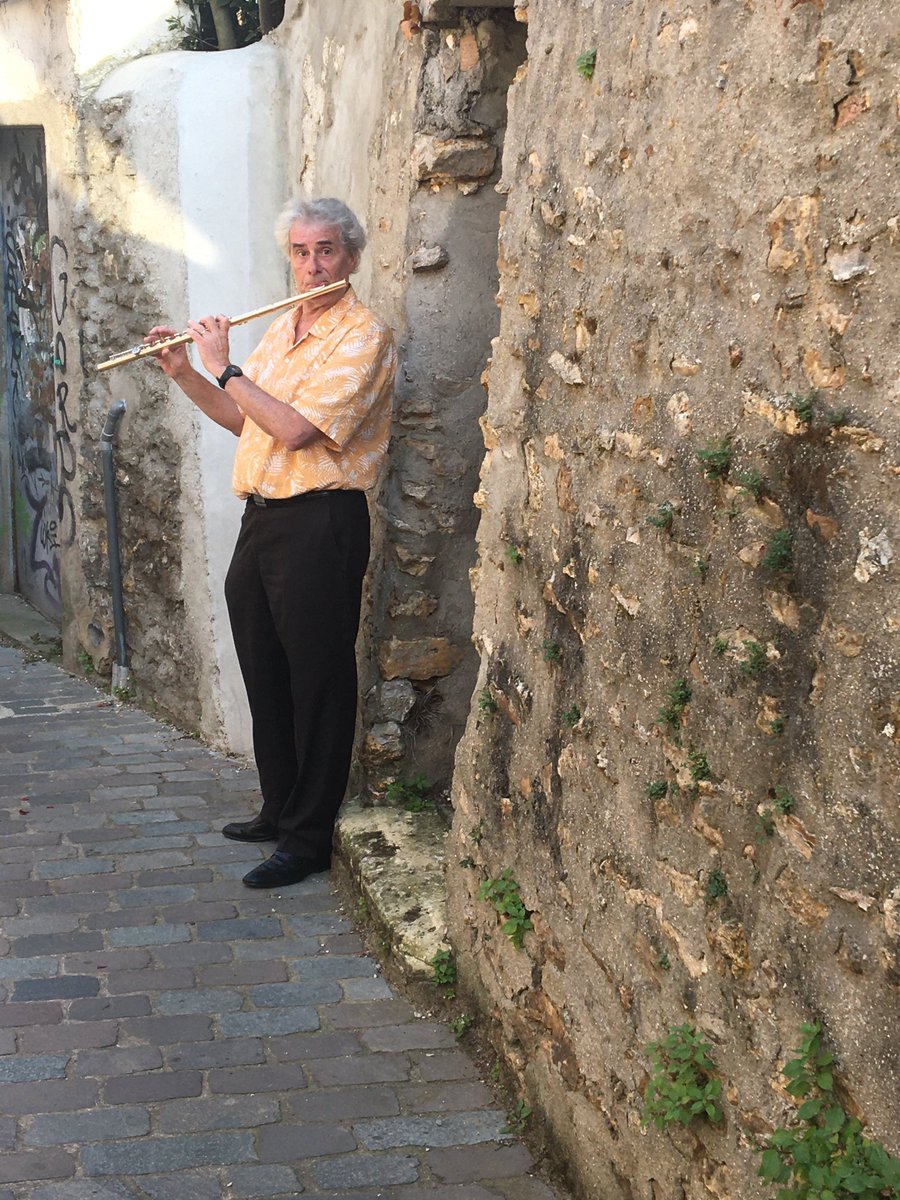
230, 372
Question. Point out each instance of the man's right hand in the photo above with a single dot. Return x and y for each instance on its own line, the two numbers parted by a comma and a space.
174, 360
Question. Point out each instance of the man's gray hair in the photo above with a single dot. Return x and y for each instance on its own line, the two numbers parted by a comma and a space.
327, 211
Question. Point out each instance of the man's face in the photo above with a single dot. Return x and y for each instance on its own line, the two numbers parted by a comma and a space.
318, 255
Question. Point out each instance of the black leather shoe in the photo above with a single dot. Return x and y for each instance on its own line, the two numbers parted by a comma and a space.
256, 830
284, 868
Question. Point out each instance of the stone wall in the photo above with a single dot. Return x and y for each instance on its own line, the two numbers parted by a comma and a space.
683, 742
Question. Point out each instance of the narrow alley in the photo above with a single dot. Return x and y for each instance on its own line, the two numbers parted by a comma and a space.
166, 1034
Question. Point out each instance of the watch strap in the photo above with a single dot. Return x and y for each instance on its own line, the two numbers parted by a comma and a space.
230, 372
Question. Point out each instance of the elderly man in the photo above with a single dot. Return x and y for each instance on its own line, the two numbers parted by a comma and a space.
312, 410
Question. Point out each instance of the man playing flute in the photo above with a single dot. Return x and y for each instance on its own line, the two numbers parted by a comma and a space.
312, 412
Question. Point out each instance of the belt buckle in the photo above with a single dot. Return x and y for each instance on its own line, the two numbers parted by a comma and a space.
259, 501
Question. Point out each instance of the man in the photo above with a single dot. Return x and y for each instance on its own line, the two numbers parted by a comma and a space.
312, 410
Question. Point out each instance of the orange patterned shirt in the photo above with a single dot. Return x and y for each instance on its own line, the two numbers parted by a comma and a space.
340, 376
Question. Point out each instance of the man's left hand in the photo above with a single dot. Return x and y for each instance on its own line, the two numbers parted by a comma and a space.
210, 335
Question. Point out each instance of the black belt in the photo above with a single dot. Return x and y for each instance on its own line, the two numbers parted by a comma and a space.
275, 501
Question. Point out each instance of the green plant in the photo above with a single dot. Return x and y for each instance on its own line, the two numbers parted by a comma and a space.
586, 64
826, 1157
802, 406
476, 833
701, 566
462, 1024
412, 794
836, 417
681, 1085
467, 862
85, 661
665, 514
656, 789
124, 694
517, 1120
495, 1070
776, 726
766, 822
715, 459
514, 554
698, 766
678, 697
756, 661
551, 651
664, 962
572, 716
504, 895
716, 884
784, 802
486, 702
361, 909
720, 645
444, 966
751, 482
779, 555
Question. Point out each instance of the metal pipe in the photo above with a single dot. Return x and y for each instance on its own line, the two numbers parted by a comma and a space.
121, 674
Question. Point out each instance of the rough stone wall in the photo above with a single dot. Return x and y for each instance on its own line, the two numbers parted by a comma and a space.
421, 668
683, 743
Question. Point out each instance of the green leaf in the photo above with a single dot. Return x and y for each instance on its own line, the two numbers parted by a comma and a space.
809, 1110
825, 1080
771, 1167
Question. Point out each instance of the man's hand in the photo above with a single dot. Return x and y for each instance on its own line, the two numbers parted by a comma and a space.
173, 361
210, 336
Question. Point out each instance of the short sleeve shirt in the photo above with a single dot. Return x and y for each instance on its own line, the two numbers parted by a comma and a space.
340, 376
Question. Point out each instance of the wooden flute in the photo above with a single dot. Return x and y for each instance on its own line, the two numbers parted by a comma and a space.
148, 349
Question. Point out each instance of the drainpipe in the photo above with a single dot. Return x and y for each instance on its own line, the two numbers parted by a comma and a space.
121, 674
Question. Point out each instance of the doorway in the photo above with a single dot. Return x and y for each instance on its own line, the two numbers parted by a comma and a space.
29, 505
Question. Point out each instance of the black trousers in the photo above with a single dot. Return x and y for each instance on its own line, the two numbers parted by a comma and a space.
293, 591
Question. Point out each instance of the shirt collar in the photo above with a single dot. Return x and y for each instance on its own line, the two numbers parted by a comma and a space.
331, 317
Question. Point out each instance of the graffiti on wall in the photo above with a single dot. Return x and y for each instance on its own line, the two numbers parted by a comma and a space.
65, 426
35, 290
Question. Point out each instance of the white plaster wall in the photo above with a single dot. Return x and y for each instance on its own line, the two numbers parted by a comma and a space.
102, 31
204, 137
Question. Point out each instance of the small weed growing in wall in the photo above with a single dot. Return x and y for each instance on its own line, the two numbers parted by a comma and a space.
551, 651
486, 702
784, 801
85, 662
751, 482
514, 554
678, 697
776, 727
715, 459
572, 716
504, 895
664, 962
720, 645
517, 1120
836, 417
826, 1156
766, 822
663, 517
411, 794
755, 662
476, 833
716, 884
802, 406
444, 966
468, 862
699, 767
681, 1084
586, 64
701, 566
779, 555
656, 789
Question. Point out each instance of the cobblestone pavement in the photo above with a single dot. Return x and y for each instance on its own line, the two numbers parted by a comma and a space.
167, 1034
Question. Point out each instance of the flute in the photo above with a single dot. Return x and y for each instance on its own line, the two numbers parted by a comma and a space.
150, 348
